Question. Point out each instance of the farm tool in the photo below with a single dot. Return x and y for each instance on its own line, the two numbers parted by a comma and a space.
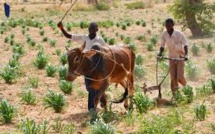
158, 85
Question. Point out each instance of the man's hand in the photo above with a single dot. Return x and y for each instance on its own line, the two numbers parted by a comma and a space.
60, 25
159, 55
185, 57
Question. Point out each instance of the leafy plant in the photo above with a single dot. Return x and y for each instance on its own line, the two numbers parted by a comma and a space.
55, 100
28, 97
7, 111
139, 59
137, 22
66, 86
23, 31
69, 129
44, 127
139, 71
52, 42
69, 26
100, 127
18, 48
12, 42
41, 60
42, 32
143, 23
32, 43
200, 111
8, 74
83, 24
58, 52
195, 50
127, 40
142, 103
129, 119
45, 39
154, 39
162, 124
93, 115
132, 46
179, 98
14, 63
150, 46
58, 125
188, 92
211, 65
141, 37
213, 84
62, 72
204, 90
209, 48
108, 115
12, 36
51, 70
63, 58
16, 56
192, 71
34, 82
124, 26
6, 39
111, 41
29, 127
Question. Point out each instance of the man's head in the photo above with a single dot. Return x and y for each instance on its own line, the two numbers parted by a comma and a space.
169, 23
93, 28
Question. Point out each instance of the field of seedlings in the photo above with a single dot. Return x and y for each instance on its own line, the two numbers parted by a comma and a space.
35, 98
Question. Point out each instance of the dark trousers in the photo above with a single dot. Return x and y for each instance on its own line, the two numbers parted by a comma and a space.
91, 94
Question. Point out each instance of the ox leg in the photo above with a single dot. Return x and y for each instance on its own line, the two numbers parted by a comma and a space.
131, 90
101, 94
103, 101
125, 86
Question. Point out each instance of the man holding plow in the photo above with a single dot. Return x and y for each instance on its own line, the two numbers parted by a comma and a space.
177, 48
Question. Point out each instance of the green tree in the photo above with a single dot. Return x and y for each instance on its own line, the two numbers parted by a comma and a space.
197, 15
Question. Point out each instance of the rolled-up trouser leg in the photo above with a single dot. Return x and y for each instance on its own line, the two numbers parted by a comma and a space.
173, 76
180, 73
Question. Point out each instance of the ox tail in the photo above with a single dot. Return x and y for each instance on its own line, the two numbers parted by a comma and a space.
123, 97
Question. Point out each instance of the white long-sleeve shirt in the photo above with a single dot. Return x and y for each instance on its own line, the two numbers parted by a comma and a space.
81, 38
175, 43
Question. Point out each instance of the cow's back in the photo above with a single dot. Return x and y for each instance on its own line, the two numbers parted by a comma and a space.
124, 60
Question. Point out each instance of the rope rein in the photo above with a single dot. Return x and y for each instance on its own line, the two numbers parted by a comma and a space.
114, 66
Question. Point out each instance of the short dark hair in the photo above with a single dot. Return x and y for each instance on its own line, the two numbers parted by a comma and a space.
93, 25
169, 20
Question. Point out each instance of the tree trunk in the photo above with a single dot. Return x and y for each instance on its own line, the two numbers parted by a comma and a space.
193, 25
191, 20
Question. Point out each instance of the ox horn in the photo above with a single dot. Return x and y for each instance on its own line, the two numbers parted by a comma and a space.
67, 48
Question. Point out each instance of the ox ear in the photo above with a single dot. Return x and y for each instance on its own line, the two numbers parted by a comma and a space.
89, 54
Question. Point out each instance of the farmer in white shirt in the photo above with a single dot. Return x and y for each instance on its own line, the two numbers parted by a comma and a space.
89, 40
177, 47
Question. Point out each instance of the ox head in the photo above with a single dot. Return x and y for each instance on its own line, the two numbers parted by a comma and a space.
83, 63
74, 57
90, 61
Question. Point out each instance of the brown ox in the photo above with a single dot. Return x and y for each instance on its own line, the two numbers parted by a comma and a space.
104, 65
